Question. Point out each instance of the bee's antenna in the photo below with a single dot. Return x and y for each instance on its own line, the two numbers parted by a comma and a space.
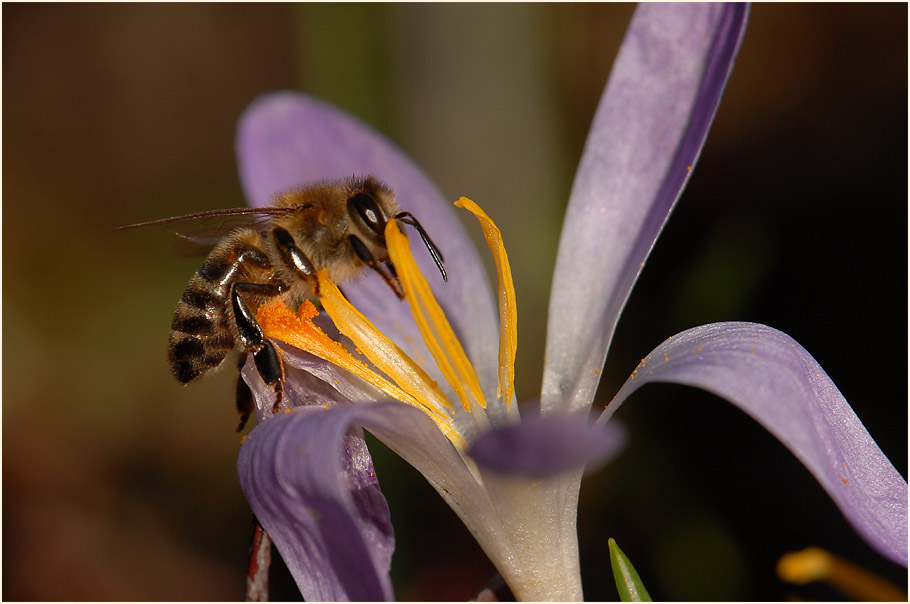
408, 218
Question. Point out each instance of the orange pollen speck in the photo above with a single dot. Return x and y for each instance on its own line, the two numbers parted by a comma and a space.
298, 330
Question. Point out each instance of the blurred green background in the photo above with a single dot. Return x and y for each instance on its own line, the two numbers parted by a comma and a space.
118, 484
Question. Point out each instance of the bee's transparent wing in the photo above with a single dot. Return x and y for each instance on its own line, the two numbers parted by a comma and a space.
199, 232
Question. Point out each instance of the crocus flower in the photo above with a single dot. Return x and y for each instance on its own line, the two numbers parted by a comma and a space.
513, 480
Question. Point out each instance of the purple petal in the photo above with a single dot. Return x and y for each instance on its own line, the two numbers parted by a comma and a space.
539, 447
771, 377
286, 139
310, 481
647, 134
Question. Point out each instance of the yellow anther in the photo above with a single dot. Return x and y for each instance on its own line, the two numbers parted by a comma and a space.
431, 320
508, 306
280, 322
412, 385
817, 564
380, 350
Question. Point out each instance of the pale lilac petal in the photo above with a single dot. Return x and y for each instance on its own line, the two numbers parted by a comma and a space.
310, 481
512, 518
286, 139
771, 377
539, 447
647, 134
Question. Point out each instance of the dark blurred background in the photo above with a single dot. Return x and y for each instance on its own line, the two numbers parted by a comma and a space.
120, 485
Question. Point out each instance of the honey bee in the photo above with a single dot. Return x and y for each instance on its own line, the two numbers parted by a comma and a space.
338, 226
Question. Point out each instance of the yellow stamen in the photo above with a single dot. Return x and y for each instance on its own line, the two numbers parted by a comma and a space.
414, 385
508, 313
431, 320
280, 322
817, 564
381, 351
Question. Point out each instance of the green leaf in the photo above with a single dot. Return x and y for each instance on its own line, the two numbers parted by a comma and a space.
628, 583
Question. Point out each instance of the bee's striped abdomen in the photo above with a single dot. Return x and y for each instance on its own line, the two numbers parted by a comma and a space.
201, 332
200, 335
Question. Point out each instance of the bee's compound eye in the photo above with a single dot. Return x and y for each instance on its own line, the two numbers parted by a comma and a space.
365, 206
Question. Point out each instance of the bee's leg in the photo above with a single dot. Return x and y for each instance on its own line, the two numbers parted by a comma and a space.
364, 254
294, 258
265, 356
270, 367
244, 395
